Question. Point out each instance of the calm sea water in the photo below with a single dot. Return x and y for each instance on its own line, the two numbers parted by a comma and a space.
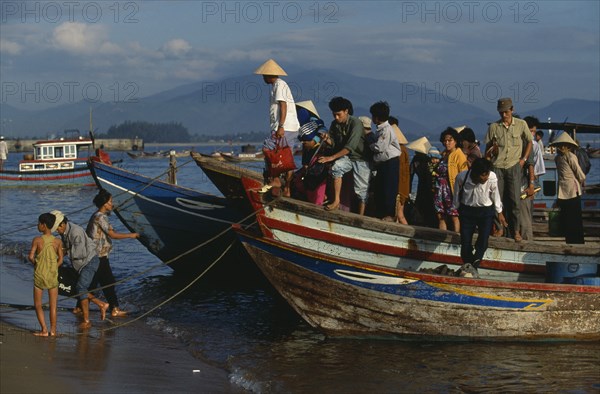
246, 329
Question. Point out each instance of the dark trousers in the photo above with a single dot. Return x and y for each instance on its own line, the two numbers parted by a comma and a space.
104, 276
509, 187
472, 218
386, 187
571, 221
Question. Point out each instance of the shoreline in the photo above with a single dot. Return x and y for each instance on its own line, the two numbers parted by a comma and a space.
138, 357
99, 362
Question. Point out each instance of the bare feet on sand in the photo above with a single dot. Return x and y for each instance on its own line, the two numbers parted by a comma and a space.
41, 333
85, 324
103, 309
116, 312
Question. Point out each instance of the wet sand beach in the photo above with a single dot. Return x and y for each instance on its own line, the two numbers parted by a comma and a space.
117, 362
130, 359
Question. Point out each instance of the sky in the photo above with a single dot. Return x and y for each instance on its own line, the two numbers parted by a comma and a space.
536, 52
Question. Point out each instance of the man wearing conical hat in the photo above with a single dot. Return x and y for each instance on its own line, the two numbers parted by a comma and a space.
571, 180
282, 113
504, 147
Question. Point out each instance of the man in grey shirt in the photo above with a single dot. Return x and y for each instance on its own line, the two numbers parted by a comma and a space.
81, 250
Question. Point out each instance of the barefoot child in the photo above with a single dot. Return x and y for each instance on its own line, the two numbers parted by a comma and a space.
46, 254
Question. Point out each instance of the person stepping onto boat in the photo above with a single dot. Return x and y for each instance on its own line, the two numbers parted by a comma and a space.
477, 199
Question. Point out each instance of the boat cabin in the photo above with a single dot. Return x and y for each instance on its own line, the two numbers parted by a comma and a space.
66, 153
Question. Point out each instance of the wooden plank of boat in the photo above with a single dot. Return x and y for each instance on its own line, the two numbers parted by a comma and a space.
350, 297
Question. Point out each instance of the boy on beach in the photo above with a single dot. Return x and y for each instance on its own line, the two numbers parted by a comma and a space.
46, 255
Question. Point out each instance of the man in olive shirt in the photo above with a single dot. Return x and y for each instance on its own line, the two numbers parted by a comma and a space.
504, 146
346, 139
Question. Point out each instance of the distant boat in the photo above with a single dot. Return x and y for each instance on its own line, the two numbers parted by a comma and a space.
171, 219
593, 153
57, 162
145, 155
239, 157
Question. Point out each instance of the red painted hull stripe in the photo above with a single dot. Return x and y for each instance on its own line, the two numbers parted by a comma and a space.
355, 243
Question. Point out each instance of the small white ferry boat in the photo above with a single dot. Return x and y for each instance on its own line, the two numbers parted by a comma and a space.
57, 162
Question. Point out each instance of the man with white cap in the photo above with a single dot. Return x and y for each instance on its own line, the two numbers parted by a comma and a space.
282, 112
504, 147
81, 250
3, 152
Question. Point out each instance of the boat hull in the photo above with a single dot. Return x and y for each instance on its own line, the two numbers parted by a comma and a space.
345, 297
227, 178
186, 229
75, 177
397, 246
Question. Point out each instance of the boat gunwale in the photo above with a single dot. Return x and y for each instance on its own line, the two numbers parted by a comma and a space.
426, 277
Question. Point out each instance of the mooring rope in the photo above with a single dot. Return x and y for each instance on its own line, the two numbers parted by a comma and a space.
169, 299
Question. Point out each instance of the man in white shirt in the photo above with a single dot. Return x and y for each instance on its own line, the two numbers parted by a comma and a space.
282, 114
3, 152
477, 199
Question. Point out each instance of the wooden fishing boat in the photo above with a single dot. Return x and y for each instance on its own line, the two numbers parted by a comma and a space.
57, 162
358, 297
173, 221
347, 235
227, 177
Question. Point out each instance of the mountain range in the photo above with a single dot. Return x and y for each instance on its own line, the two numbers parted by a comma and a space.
240, 104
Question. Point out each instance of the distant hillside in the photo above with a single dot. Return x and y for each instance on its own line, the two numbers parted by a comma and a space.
240, 104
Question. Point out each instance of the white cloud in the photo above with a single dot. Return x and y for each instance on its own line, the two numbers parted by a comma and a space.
10, 47
81, 38
177, 47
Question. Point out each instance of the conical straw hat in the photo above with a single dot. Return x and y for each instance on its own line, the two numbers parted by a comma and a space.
421, 145
401, 138
308, 105
270, 67
564, 138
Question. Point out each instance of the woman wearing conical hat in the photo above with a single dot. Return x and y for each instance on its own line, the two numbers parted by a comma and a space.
571, 180
282, 115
